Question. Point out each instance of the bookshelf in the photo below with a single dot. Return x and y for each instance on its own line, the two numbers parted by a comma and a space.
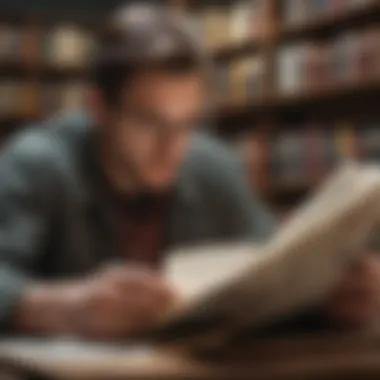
268, 62
304, 101
42, 65
320, 26
320, 64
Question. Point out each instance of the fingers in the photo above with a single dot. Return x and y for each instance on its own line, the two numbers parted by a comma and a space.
357, 299
363, 280
124, 301
140, 282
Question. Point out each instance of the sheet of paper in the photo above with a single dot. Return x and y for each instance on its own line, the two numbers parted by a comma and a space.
194, 271
301, 264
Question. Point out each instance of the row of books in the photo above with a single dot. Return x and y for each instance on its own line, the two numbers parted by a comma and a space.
240, 21
64, 44
305, 155
29, 98
240, 80
350, 57
232, 23
303, 11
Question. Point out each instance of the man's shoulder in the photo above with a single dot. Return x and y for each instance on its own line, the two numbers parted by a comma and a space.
46, 143
210, 158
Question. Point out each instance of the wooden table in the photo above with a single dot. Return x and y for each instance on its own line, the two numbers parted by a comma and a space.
355, 357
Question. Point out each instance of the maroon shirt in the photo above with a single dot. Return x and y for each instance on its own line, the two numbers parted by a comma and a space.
141, 223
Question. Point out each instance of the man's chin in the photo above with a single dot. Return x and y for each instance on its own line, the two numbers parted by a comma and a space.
160, 185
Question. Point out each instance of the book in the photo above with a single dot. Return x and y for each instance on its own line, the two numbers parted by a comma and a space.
240, 22
350, 57
288, 158
255, 77
237, 90
346, 144
305, 152
72, 95
261, 20
369, 53
214, 27
293, 272
252, 148
369, 143
10, 94
315, 160
193, 25
222, 82
301, 11
68, 45
50, 98
295, 11
246, 79
10, 42
290, 68
232, 24
29, 102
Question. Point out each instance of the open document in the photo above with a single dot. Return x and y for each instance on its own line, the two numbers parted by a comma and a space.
296, 270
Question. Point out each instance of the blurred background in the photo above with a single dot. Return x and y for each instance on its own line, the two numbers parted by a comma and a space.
298, 81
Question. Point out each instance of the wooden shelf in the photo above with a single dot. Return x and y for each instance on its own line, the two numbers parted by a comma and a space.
50, 71
325, 96
245, 48
287, 193
18, 118
56, 71
11, 67
334, 23
319, 27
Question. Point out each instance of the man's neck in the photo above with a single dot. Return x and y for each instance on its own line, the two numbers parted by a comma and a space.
119, 180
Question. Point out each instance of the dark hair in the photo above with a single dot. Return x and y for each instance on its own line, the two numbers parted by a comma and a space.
138, 38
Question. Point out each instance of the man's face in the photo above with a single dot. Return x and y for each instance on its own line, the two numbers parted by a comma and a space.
150, 135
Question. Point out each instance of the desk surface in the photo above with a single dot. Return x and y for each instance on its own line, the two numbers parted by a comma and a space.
341, 357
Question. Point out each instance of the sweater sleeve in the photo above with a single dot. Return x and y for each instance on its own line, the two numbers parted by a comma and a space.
23, 218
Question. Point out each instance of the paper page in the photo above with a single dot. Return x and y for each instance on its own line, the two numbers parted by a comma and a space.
302, 263
194, 271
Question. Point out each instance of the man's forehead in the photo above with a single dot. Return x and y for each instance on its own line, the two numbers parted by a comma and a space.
161, 90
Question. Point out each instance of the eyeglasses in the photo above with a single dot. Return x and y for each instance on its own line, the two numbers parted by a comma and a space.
153, 125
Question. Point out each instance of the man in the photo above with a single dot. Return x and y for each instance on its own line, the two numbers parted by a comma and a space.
89, 202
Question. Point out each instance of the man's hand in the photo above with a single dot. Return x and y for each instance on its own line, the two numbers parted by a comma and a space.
120, 302
114, 303
356, 302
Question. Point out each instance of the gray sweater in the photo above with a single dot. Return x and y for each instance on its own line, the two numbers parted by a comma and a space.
54, 220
